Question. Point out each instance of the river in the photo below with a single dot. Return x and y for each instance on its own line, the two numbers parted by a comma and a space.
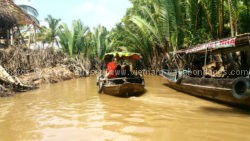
73, 110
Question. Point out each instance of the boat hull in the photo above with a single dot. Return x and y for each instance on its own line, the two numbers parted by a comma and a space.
124, 90
217, 89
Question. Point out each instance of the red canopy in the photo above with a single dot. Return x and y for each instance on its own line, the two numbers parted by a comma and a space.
238, 43
220, 44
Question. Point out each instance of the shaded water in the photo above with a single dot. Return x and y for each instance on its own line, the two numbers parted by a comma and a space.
73, 110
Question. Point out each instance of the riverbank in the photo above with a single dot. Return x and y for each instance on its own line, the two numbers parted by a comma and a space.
42, 76
24, 69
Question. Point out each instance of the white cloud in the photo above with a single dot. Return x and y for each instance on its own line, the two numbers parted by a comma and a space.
104, 12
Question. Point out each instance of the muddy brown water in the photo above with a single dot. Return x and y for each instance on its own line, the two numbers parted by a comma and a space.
73, 110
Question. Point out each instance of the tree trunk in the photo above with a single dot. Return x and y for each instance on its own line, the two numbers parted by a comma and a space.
231, 18
221, 18
196, 19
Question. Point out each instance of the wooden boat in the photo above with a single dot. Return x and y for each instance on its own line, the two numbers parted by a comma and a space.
125, 89
122, 86
232, 91
226, 90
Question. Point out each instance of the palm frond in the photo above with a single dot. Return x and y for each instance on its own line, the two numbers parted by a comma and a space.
29, 9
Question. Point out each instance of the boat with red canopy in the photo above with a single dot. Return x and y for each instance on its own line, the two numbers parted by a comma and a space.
234, 91
123, 83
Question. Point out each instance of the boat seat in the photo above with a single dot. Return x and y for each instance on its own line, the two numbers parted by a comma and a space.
119, 81
135, 80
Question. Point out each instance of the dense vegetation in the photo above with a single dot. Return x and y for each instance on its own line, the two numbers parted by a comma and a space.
154, 28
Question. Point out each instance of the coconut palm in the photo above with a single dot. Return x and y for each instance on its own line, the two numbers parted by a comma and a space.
51, 32
99, 38
152, 28
160, 26
72, 41
134, 41
31, 11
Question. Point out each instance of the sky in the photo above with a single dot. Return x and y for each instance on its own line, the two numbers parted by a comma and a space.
91, 12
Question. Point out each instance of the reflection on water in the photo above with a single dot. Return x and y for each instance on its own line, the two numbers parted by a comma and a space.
73, 110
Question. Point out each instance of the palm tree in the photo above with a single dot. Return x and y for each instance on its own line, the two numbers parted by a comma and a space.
134, 41
51, 32
157, 27
99, 41
154, 28
42, 35
72, 41
31, 11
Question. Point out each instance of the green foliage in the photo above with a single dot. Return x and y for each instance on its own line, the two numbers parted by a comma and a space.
49, 34
42, 35
72, 41
151, 28
78, 40
53, 26
157, 27
100, 41
244, 16
154, 28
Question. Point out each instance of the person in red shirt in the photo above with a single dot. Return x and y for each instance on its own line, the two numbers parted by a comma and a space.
111, 67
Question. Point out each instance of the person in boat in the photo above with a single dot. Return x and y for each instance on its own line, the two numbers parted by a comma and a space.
127, 71
111, 68
128, 74
119, 74
119, 71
